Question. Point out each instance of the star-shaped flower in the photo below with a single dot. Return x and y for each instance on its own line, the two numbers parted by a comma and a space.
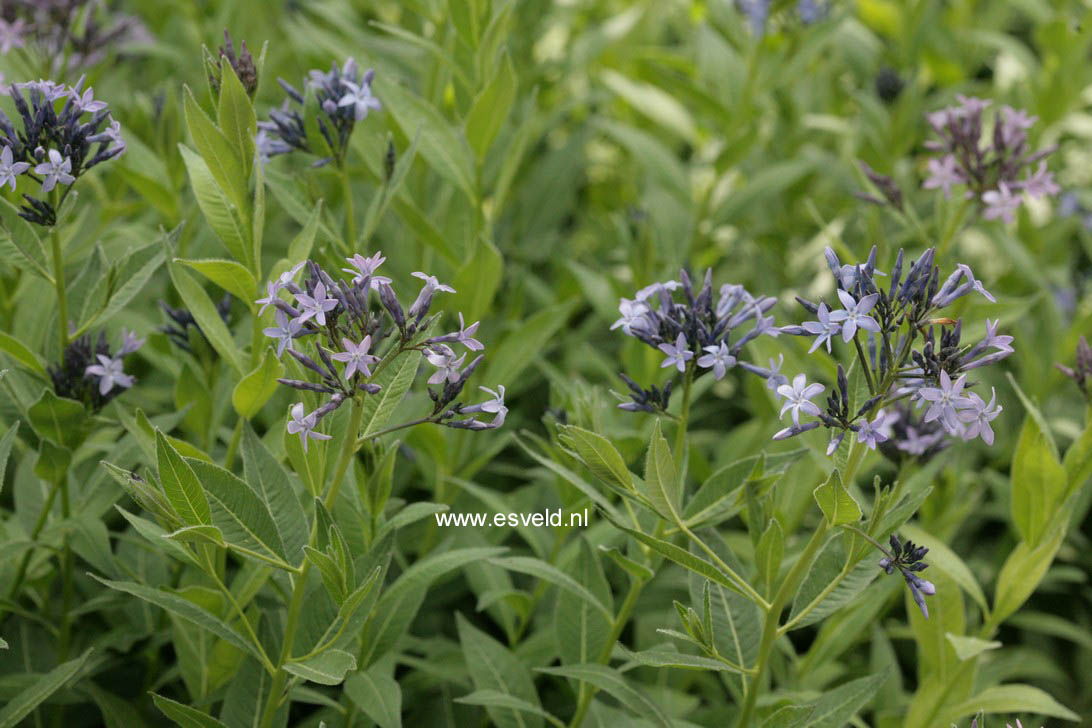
855, 314
304, 425
356, 357
57, 169
9, 168
359, 96
1000, 203
943, 173
825, 328
432, 283
718, 359
447, 364
677, 354
365, 267
285, 330
316, 305
976, 418
632, 312
110, 374
798, 397
945, 399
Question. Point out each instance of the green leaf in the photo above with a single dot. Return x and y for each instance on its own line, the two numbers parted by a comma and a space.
53, 461
59, 419
395, 380
235, 116
661, 483
223, 161
968, 647
493, 667
400, 601
23, 703
185, 609
441, 146
222, 215
581, 628
944, 559
243, 517
1012, 698
20, 244
255, 389
835, 708
1024, 569
612, 682
768, 553
22, 354
477, 280
246, 697
836, 502
1078, 460
598, 455
270, 481
137, 270
653, 102
633, 568
327, 668
5, 449
1038, 483
184, 715
491, 107
680, 660
207, 317
378, 695
180, 484
525, 343
790, 716
229, 275
549, 573
332, 576
300, 247
197, 534
503, 701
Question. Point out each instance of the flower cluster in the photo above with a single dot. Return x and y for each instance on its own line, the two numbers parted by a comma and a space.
333, 101
907, 558
701, 330
996, 172
1081, 371
355, 334
242, 64
758, 12
893, 328
90, 373
68, 33
54, 148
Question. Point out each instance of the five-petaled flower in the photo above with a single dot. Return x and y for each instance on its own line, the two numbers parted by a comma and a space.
316, 306
10, 169
1000, 203
359, 96
57, 169
798, 397
365, 267
447, 364
110, 373
824, 328
855, 314
976, 417
304, 425
356, 357
677, 354
719, 359
285, 330
945, 399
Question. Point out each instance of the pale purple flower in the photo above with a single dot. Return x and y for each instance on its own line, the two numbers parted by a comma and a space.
493, 406
356, 357
9, 168
798, 397
86, 102
130, 342
49, 90
285, 330
431, 283
943, 173
271, 289
975, 283
794, 430
289, 275
1001, 343
632, 312
1014, 125
832, 446
652, 288
871, 433
365, 267
360, 97
11, 35
57, 169
775, 378
316, 305
719, 359
918, 589
855, 315
1000, 203
977, 416
1041, 183
945, 400
447, 364
971, 105
825, 328
304, 425
465, 335
677, 354
110, 373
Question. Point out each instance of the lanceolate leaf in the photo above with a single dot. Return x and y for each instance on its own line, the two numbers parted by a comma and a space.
180, 484
23, 703
378, 695
184, 715
327, 668
395, 381
270, 481
493, 667
612, 682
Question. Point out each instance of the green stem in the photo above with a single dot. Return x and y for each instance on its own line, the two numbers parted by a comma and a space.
266, 663
299, 587
38, 526
58, 282
350, 221
233, 444
684, 418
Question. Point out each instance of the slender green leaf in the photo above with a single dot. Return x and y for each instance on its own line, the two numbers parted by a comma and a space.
327, 668
184, 715
180, 484
612, 682
255, 389
229, 275
378, 695
22, 704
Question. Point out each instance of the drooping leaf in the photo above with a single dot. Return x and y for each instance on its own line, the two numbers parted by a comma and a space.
184, 715
327, 668
255, 389
23, 704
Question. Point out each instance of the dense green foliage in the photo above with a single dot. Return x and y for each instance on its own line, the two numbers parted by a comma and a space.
173, 550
